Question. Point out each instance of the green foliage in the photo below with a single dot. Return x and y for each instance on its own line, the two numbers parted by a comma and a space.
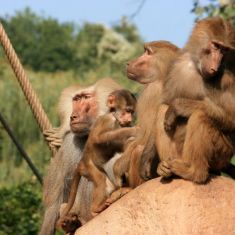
128, 30
20, 209
87, 53
223, 8
55, 46
17, 113
114, 47
98, 46
42, 44
22, 30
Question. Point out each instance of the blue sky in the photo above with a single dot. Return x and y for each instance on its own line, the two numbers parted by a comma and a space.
158, 19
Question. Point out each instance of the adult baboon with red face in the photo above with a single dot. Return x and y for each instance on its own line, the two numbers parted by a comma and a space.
79, 108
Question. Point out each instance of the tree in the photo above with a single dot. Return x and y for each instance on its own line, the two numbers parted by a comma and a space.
128, 30
41, 43
22, 30
44, 44
114, 47
55, 46
223, 8
87, 40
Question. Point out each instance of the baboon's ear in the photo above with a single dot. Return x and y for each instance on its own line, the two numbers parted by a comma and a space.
111, 101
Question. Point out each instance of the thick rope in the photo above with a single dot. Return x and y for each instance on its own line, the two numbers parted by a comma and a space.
29, 93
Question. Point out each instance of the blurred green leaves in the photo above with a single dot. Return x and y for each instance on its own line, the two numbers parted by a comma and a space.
223, 8
44, 44
20, 209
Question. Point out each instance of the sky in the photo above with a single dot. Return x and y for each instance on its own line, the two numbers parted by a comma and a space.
157, 20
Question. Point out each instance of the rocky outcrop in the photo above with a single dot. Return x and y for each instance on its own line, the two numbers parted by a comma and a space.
178, 207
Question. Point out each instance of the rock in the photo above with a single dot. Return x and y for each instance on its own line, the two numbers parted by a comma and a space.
178, 207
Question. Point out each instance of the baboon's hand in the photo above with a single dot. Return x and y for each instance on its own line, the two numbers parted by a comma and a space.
164, 170
69, 223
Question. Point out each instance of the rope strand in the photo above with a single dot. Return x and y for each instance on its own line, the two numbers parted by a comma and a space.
28, 91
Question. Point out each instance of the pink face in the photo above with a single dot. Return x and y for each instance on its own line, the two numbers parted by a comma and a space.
211, 59
85, 111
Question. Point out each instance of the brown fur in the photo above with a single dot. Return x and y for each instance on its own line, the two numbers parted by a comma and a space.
149, 69
205, 98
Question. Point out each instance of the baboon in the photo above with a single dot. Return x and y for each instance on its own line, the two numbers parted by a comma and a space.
57, 182
200, 90
149, 69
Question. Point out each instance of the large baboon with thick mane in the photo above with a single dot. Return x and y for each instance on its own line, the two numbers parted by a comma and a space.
83, 112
